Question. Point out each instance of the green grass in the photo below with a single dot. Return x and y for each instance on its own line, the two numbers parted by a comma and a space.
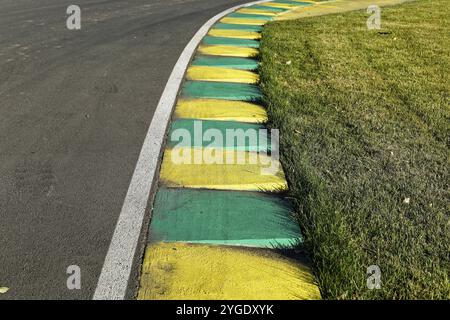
364, 124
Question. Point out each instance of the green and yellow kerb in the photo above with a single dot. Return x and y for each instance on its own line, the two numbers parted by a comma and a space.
217, 230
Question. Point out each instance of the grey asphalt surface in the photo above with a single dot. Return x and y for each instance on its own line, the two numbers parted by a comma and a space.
74, 110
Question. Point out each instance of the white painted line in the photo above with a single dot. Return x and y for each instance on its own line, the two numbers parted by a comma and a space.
113, 281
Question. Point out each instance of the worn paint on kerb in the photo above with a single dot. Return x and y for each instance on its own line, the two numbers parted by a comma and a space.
223, 110
200, 272
225, 176
222, 217
206, 73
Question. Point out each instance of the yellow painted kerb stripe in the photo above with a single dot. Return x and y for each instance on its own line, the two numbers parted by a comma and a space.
235, 34
229, 51
214, 109
191, 272
180, 169
280, 5
205, 73
257, 11
252, 22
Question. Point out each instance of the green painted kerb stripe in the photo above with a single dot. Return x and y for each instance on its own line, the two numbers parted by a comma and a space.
276, 243
221, 90
235, 135
305, 3
242, 27
222, 217
249, 16
293, 2
226, 62
223, 41
268, 8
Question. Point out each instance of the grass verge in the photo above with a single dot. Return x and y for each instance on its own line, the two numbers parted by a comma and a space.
364, 125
